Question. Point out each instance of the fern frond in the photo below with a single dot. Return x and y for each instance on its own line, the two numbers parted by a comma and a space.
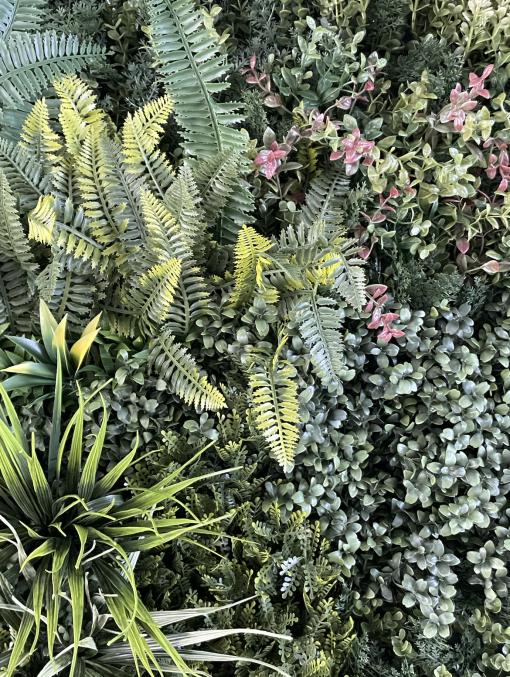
319, 321
275, 398
78, 112
42, 219
13, 241
140, 135
38, 139
163, 236
74, 290
70, 233
236, 213
150, 298
250, 245
20, 16
192, 70
92, 181
30, 63
24, 174
166, 239
123, 190
216, 179
183, 202
349, 276
46, 281
65, 179
16, 298
173, 364
322, 200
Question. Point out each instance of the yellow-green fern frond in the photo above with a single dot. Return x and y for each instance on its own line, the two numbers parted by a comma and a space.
163, 236
250, 245
13, 241
140, 135
78, 111
38, 139
92, 183
67, 229
183, 202
41, 220
173, 364
275, 399
150, 298
166, 239
123, 192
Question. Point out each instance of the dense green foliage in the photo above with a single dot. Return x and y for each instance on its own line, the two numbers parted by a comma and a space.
254, 338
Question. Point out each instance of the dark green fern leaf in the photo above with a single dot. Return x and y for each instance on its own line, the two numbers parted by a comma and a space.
183, 200
123, 190
24, 174
74, 290
20, 16
16, 298
30, 63
322, 200
13, 241
319, 322
192, 69
235, 214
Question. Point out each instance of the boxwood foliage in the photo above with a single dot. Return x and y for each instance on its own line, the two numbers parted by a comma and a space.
387, 541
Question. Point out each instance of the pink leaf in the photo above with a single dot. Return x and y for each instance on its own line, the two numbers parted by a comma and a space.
463, 245
491, 267
387, 318
376, 319
385, 335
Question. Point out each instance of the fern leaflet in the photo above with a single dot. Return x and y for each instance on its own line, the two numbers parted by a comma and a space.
24, 174
20, 16
173, 364
183, 202
78, 112
319, 320
192, 69
92, 182
165, 239
140, 137
322, 200
250, 245
16, 299
276, 405
123, 191
38, 139
150, 298
30, 63
13, 241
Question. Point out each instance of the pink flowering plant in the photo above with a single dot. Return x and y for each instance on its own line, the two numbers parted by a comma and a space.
436, 192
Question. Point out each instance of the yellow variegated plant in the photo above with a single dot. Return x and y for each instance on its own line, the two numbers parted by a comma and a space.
43, 370
67, 525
